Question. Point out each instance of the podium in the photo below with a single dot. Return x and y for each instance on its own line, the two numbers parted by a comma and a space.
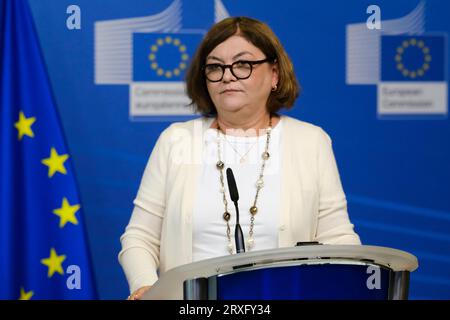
311, 272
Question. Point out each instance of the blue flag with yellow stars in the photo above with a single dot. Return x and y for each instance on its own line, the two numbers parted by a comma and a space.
163, 56
43, 246
413, 58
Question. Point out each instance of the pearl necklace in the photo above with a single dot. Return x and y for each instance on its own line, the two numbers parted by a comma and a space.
259, 184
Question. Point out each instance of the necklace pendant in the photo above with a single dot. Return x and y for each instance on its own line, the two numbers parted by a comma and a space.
230, 247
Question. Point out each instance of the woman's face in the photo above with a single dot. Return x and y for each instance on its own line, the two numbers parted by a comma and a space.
248, 95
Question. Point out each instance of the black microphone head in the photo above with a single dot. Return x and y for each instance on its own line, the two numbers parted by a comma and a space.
238, 235
232, 186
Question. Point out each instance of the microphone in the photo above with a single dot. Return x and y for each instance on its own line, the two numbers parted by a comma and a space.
234, 195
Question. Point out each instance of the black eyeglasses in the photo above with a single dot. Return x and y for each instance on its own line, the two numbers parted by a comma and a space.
241, 69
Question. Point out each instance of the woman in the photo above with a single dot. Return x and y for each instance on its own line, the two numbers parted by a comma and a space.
286, 174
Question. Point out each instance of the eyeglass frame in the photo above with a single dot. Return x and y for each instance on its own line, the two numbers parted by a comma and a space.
230, 66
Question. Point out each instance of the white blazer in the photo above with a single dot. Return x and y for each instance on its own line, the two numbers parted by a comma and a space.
159, 234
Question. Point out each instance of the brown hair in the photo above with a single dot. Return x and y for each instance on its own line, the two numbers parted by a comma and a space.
261, 36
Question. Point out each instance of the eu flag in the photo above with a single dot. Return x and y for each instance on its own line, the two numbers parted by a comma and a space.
413, 58
43, 246
163, 56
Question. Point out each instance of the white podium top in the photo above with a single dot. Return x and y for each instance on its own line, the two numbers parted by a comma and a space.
170, 284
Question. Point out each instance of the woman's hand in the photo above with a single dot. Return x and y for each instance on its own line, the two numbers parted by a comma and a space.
137, 295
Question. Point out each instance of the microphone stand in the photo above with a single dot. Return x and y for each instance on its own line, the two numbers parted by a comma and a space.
238, 235
234, 195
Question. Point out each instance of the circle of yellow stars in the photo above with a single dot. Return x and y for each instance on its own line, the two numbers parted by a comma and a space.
66, 213
426, 57
160, 42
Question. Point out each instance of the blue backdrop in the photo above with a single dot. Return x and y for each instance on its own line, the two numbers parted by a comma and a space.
395, 170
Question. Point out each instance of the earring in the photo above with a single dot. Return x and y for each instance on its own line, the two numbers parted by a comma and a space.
275, 88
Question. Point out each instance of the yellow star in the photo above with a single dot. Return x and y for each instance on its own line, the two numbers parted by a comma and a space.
25, 295
67, 213
24, 126
54, 263
55, 163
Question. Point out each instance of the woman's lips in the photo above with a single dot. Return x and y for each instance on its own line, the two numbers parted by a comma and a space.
230, 91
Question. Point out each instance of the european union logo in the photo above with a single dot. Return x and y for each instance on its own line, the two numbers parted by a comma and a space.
163, 56
413, 58
44, 252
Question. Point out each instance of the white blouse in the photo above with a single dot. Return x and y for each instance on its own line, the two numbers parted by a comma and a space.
243, 155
